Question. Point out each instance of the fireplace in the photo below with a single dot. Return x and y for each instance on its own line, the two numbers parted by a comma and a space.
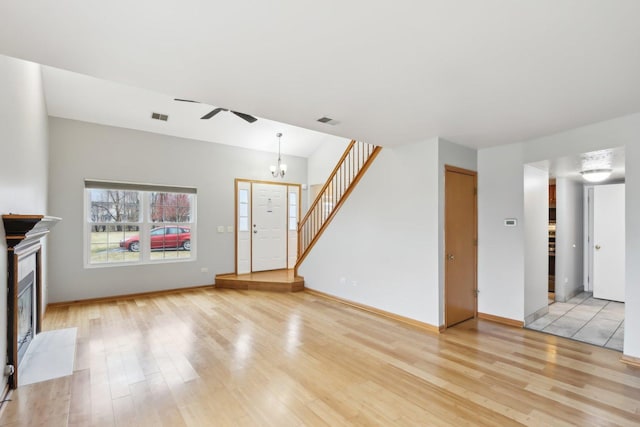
26, 302
24, 285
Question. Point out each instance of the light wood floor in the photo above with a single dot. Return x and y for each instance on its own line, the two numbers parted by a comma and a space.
226, 357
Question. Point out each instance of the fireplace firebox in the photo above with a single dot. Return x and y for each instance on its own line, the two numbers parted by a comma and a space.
25, 316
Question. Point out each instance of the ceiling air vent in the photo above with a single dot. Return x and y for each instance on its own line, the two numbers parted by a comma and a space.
158, 116
327, 120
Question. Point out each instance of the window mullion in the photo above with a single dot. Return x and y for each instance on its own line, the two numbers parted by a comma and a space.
145, 218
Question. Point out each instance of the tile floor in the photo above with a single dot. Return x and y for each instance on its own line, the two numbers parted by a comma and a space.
587, 319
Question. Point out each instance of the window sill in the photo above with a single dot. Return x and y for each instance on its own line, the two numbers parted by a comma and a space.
137, 263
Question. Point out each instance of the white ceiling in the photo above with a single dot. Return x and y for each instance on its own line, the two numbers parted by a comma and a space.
478, 73
80, 97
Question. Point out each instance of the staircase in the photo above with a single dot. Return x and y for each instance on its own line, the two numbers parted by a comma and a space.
350, 168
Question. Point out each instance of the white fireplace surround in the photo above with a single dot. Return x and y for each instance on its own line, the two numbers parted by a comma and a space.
24, 235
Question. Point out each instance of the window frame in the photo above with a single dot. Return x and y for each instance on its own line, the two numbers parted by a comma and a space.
144, 224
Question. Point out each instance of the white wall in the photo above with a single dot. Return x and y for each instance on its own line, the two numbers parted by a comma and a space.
324, 159
453, 155
569, 241
381, 248
389, 235
82, 150
501, 271
500, 248
536, 242
23, 150
632, 233
320, 165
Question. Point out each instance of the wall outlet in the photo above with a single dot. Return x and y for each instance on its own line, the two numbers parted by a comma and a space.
354, 283
204, 270
343, 281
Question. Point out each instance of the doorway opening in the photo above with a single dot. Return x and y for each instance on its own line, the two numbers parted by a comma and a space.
581, 243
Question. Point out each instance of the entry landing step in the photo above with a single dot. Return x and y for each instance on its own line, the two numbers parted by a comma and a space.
274, 281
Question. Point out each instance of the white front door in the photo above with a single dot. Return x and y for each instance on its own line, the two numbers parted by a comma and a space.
608, 243
269, 227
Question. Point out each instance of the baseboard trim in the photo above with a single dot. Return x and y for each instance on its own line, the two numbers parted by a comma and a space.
128, 296
405, 320
501, 320
535, 316
630, 360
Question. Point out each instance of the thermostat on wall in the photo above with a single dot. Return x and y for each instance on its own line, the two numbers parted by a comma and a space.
510, 222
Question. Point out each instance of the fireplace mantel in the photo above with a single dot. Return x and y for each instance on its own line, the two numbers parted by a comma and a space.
23, 231
24, 234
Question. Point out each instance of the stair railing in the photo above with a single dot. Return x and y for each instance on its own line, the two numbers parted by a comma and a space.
349, 170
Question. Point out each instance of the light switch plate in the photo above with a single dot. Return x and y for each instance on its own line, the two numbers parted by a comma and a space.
221, 229
229, 228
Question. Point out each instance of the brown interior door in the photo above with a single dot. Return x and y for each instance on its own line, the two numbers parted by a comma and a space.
460, 245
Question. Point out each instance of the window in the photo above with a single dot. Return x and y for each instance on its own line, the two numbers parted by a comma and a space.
293, 211
114, 216
167, 210
136, 223
243, 212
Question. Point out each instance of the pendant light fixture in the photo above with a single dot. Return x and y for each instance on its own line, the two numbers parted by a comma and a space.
281, 168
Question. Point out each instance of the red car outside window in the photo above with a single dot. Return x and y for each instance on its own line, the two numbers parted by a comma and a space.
166, 237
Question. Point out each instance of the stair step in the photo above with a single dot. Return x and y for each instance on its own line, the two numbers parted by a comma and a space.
273, 281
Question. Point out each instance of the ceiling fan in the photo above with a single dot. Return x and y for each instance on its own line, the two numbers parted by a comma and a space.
215, 111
